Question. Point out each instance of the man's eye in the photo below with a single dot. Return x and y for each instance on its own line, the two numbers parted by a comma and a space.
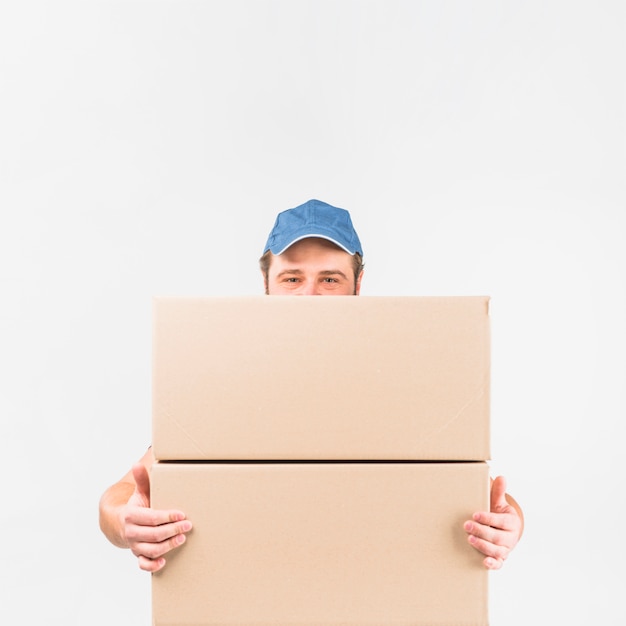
328, 279
291, 279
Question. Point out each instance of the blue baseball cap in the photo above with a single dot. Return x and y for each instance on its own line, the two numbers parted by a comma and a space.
313, 219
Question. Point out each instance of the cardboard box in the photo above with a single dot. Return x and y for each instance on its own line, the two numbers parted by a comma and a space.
322, 544
333, 378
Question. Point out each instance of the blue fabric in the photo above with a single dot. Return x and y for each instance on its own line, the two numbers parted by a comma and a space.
313, 219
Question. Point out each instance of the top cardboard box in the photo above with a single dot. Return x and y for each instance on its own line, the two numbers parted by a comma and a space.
321, 378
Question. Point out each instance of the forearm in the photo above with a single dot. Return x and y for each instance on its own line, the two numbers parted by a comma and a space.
111, 502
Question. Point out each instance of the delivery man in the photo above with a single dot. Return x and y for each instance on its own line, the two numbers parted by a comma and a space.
313, 249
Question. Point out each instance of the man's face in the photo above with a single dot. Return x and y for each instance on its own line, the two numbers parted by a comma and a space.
312, 267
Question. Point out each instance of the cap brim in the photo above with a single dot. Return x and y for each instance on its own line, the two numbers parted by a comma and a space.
279, 250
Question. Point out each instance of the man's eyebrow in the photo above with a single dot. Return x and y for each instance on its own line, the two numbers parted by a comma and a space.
322, 273
333, 273
293, 271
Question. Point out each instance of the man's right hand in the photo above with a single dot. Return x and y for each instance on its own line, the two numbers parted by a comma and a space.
150, 533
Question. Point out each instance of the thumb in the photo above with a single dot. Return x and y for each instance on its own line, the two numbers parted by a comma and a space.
498, 491
142, 481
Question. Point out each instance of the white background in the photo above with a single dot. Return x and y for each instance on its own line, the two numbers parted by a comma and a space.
145, 149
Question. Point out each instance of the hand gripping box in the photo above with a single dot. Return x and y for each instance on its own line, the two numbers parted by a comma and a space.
323, 544
321, 378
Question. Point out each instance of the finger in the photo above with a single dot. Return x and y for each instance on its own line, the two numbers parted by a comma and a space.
491, 563
499, 521
485, 533
138, 531
142, 481
498, 497
496, 536
153, 551
489, 549
151, 565
142, 516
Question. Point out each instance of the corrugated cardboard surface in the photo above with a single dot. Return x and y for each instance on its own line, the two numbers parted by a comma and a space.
370, 378
322, 544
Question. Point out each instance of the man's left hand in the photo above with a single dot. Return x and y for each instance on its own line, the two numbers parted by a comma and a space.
495, 533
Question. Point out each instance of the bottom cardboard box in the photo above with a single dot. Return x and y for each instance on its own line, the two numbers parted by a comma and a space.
322, 544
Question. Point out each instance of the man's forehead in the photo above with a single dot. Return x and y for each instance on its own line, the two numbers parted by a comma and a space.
312, 255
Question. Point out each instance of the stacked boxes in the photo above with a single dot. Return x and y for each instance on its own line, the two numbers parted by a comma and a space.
327, 451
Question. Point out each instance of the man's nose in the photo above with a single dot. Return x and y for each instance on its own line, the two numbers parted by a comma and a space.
310, 289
